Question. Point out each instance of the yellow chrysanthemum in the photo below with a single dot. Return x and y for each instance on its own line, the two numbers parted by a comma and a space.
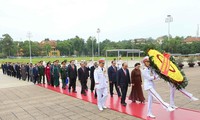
166, 66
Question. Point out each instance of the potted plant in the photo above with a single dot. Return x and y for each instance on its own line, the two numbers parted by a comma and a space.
191, 61
179, 62
198, 60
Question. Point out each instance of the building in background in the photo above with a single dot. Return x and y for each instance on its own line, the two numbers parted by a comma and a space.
190, 40
49, 48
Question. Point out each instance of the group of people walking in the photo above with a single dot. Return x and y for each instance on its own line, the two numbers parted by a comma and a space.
117, 76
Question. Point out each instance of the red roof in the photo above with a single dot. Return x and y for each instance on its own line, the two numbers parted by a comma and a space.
192, 39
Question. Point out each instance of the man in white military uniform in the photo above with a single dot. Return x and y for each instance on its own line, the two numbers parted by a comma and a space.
149, 76
101, 85
183, 91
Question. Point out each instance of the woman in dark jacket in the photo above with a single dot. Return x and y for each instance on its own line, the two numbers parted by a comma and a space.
136, 80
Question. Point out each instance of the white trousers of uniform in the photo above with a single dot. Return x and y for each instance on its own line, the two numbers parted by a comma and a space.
102, 94
153, 94
172, 93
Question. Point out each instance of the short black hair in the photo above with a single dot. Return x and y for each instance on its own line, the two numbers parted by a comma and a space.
136, 64
112, 61
123, 63
71, 61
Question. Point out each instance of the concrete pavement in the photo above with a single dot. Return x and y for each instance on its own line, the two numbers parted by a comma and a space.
21, 100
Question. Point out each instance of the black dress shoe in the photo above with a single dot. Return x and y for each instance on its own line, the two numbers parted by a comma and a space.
124, 104
64, 88
111, 95
74, 91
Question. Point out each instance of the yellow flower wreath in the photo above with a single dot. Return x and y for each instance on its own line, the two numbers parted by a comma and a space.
166, 66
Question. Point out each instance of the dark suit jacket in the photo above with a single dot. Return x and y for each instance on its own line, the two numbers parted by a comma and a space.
123, 79
72, 72
112, 74
35, 71
82, 75
87, 71
27, 68
92, 72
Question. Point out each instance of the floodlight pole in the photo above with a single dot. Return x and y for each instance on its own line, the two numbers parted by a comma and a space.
92, 49
132, 49
168, 20
29, 38
98, 31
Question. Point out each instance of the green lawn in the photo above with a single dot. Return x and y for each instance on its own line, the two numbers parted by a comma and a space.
35, 60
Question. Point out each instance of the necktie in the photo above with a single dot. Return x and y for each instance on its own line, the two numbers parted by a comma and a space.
114, 69
125, 72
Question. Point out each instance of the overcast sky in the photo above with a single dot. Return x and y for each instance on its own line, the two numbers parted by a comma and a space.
117, 19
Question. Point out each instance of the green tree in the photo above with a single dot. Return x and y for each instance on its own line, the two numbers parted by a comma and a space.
7, 43
35, 48
64, 47
88, 47
77, 45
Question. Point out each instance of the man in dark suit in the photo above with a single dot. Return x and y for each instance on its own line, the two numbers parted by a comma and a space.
18, 69
87, 72
112, 75
2, 67
5, 68
27, 70
82, 77
123, 81
72, 72
35, 74
92, 76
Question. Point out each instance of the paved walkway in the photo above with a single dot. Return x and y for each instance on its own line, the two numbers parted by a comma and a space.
22, 100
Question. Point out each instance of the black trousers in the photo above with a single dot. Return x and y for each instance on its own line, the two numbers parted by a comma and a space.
28, 76
14, 73
42, 78
35, 79
116, 88
72, 83
52, 80
3, 70
124, 89
86, 85
92, 84
83, 86
18, 75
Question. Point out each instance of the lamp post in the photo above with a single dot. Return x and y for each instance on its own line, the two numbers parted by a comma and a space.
17, 49
92, 49
9, 50
29, 38
132, 41
98, 31
168, 20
